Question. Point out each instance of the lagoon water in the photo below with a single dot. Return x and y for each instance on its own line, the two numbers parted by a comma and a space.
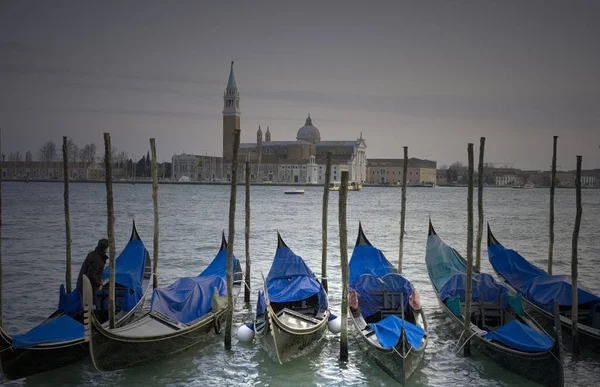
191, 220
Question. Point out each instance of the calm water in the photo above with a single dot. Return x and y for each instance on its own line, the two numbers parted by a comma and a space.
191, 220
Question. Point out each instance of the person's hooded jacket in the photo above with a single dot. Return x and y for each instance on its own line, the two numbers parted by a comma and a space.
93, 266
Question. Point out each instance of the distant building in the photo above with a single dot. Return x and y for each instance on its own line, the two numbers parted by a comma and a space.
508, 180
299, 161
565, 179
389, 171
442, 177
40, 170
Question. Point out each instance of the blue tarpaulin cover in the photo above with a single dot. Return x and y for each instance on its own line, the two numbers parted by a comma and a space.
521, 337
290, 279
389, 329
485, 289
218, 266
70, 302
370, 274
367, 259
129, 272
190, 298
370, 291
443, 262
59, 330
513, 267
535, 284
261, 303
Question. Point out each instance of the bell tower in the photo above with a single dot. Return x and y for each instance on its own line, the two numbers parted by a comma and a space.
231, 115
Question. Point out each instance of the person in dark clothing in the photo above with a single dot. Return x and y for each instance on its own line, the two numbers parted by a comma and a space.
93, 266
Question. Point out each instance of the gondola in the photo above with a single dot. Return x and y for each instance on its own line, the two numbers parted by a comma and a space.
59, 340
292, 309
390, 325
539, 290
181, 316
500, 328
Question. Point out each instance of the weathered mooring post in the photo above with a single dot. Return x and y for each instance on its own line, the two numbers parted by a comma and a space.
403, 210
344, 264
552, 186
1, 173
574, 301
111, 229
155, 204
230, 239
65, 150
479, 206
324, 223
247, 236
469, 289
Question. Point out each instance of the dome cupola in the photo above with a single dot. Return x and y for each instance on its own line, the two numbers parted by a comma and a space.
308, 132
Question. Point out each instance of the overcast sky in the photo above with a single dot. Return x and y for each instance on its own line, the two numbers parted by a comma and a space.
432, 75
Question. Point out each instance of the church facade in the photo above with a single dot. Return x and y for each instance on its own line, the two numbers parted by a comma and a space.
294, 161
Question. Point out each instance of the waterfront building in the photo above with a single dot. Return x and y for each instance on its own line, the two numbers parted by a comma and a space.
41, 170
389, 171
302, 160
508, 180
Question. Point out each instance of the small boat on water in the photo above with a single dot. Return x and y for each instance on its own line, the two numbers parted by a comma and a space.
539, 290
59, 340
295, 192
389, 329
292, 310
181, 315
525, 186
500, 328
354, 186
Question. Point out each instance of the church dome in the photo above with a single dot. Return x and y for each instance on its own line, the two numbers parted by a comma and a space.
308, 132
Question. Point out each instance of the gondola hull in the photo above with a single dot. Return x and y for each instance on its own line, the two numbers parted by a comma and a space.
399, 362
589, 335
285, 341
113, 349
541, 367
17, 363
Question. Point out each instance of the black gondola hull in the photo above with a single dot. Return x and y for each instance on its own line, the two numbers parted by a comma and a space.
544, 368
284, 343
112, 352
17, 363
398, 367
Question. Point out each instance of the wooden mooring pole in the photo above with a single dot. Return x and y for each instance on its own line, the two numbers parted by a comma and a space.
552, 186
230, 239
65, 150
574, 301
324, 222
344, 264
403, 210
469, 289
111, 229
1, 274
247, 236
155, 203
479, 205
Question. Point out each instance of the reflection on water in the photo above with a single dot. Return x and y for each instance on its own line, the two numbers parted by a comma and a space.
191, 220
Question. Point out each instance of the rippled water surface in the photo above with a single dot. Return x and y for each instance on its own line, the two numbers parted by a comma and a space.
191, 220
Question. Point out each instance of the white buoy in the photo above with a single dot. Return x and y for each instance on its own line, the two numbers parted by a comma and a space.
334, 324
245, 333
